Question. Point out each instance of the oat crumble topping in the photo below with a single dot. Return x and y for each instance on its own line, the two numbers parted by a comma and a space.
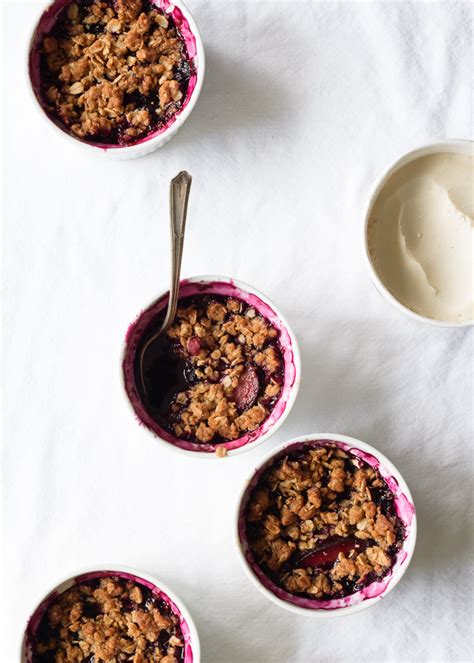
322, 524
113, 71
109, 619
232, 365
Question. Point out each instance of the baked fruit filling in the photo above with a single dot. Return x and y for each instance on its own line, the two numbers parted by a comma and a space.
113, 71
216, 374
322, 524
108, 619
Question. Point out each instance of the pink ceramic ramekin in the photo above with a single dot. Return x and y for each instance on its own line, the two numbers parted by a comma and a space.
192, 648
367, 596
188, 29
217, 285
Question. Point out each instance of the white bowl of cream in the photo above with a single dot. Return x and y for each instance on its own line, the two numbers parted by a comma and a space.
419, 233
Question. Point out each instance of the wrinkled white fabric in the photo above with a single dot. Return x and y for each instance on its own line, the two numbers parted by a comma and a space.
304, 105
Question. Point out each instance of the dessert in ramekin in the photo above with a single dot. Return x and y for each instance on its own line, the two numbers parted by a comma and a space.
418, 233
118, 615
223, 378
120, 75
325, 526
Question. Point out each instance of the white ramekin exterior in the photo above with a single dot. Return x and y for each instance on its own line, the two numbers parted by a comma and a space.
68, 581
409, 543
293, 393
456, 146
148, 146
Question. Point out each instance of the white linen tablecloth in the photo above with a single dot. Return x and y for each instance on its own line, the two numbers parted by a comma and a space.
304, 104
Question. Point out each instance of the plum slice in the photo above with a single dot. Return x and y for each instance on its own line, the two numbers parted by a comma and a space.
327, 552
194, 346
247, 388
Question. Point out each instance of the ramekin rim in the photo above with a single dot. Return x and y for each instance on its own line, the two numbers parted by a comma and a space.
195, 644
293, 391
135, 149
410, 540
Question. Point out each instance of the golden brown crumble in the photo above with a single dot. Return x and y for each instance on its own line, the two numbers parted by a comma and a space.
114, 71
322, 523
237, 370
112, 620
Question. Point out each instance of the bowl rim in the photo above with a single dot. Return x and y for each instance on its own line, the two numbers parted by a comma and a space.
458, 146
137, 149
118, 568
293, 390
409, 542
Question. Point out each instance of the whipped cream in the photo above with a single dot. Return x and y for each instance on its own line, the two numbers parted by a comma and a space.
421, 239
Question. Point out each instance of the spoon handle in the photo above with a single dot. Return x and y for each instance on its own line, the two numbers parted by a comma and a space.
179, 196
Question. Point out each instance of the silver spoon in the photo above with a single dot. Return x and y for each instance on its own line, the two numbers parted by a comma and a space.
179, 195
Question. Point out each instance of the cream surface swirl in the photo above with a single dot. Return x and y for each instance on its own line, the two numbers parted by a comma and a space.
420, 236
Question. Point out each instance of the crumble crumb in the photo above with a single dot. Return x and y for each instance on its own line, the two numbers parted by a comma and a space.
234, 366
